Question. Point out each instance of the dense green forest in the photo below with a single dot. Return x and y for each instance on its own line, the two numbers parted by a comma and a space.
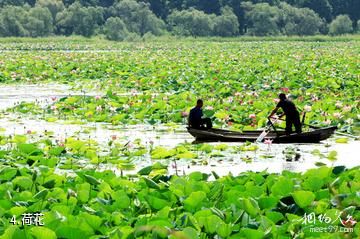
130, 19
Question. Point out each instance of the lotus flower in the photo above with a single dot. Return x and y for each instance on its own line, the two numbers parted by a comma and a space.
184, 114
113, 137
284, 89
327, 122
307, 108
53, 107
53, 98
98, 108
126, 107
347, 108
338, 104
314, 98
276, 100
28, 131
252, 116
268, 141
98, 97
337, 115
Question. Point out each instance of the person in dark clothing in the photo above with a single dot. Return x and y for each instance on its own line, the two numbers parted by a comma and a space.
196, 119
291, 113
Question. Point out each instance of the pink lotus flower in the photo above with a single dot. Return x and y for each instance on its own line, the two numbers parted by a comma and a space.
276, 100
113, 137
53, 98
28, 131
252, 116
268, 141
184, 114
98, 97
284, 89
53, 107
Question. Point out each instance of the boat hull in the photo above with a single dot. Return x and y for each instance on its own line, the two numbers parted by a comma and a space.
219, 135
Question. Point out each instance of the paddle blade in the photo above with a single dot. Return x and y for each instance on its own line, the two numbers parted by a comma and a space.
261, 136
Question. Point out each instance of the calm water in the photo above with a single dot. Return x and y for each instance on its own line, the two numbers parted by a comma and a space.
272, 158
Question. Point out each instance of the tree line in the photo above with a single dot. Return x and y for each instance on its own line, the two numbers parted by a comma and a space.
129, 19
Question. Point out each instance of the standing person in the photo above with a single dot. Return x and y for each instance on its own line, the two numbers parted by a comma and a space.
196, 119
291, 113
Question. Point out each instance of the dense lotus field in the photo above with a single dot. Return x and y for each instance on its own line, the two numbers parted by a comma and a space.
158, 82
87, 189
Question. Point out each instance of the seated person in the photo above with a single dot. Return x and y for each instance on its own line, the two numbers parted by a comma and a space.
195, 117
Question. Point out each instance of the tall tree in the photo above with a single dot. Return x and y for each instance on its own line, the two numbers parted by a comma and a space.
54, 6
40, 22
115, 29
79, 20
263, 19
299, 21
12, 21
138, 17
342, 24
321, 7
226, 24
191, 22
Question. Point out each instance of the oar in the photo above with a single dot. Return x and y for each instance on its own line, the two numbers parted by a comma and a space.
265, 132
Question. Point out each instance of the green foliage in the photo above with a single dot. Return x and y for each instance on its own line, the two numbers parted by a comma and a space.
138, 17
342, 24
300, 21
12, 21
54, 6
227, 24
91, 202
191, 22
263, 19
79, 20
143, 91
115, 29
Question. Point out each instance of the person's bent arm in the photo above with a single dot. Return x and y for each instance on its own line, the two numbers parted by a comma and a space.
274, 112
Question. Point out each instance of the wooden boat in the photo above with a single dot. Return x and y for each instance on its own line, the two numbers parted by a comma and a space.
215, 135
